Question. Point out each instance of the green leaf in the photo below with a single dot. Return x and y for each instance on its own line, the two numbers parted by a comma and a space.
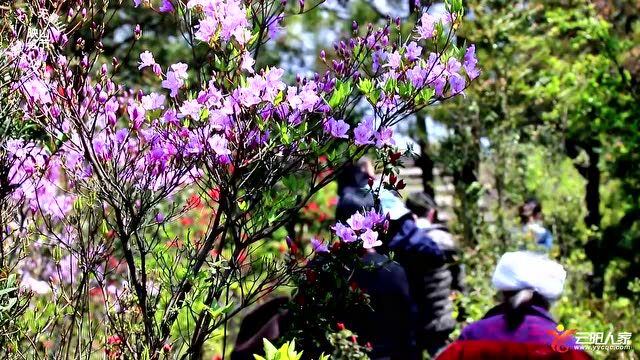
269, 349
7, 290
340, 94
365, 86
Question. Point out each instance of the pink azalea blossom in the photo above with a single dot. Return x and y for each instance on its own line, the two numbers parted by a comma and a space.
356, 221
146, 59
219, 145
427, 26
370, 239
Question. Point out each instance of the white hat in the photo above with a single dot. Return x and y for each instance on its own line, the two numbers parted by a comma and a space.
527, 270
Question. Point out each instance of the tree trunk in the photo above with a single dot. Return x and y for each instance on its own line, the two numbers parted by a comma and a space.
424, 160
598, 254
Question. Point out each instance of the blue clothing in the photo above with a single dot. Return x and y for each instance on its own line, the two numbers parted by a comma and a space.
541, 235
410, 241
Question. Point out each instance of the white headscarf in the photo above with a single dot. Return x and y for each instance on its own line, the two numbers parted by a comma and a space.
522, 270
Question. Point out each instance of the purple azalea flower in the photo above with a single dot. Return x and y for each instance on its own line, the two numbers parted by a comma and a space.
219, 145
206, 29
470, 62
146, 59
190, 108
416, 75
373, 218
153, 101
136, 115
172, 83
170, 117
166, 7
384, 137
427, 26
457, 83
364, 132
356, 221
337, 128
413, 51
394, 60
439, 84
318, 246
344, 232
370, 239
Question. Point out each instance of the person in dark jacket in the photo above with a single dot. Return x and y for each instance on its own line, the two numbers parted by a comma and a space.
390, 328
521, 325
434, 286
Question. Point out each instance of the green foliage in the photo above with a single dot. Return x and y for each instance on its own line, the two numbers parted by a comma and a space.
286, 352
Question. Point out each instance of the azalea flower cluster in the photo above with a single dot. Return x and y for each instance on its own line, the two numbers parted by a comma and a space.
362, 226
119, 157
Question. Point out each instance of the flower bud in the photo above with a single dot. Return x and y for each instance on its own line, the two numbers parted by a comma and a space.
55, 111
84, 62
110, 87
103, 70
392, 179
354, 26
103, 97
84, 13
71, 13
323, 55
301, 3
137, 32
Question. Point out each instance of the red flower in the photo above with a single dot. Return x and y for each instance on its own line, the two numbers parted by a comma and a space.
282, 248
340, 326
214, 194
353, 285
322, 216
333, 201
313, 206
242, 256
95, 292
336, 246
394, 157
216, 357
186, 221
354, 339
194, 201
110, 234
368, 345
114, 340
167, 347
401, 185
